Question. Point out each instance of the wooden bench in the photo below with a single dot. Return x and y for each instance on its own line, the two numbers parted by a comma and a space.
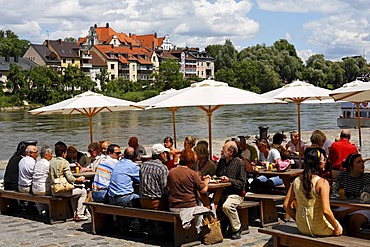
243, 214
101, 219
59, 210
267, 203
288, 235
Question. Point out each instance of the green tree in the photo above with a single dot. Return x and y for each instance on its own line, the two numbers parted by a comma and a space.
16, 80
169, 75
226, 56
213, 50
11, 45
70, 39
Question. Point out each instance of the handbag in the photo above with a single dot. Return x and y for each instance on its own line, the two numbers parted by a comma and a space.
211, 231
61, 184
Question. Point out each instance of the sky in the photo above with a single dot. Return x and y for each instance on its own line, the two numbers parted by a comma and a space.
334, 28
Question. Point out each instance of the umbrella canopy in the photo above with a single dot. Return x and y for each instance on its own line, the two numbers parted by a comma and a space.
298, 92
356, 92
209, 95
88, 104
154, 100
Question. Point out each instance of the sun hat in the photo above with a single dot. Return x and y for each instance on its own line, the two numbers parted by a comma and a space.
159, 148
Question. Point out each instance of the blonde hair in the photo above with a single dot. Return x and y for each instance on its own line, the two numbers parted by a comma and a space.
190, 140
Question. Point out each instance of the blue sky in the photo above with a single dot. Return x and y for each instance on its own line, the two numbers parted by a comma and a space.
335, 28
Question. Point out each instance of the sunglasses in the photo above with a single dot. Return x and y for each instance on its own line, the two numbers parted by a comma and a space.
117, 153
90, 151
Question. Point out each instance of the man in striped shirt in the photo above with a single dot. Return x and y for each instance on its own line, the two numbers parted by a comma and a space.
104, 172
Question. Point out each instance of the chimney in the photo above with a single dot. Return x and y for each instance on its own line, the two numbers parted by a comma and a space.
155, 35
60, 41
107, 25
95, 25
16, 59
129, 34
7, 58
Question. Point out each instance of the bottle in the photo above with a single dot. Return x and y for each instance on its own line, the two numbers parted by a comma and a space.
271, 167
334, 190
342, 194
77, 169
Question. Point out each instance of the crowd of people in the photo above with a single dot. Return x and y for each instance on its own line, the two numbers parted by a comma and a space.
171, 179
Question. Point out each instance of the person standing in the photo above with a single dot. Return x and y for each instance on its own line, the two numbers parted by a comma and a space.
339, 151
232, 169
26, 167
124, 176
103, 173
153, 178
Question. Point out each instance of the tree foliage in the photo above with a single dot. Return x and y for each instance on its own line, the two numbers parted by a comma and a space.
11, 45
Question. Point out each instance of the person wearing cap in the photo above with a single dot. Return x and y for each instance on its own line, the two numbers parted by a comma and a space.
139, 150
12, 168
103, 173
153, 177
26, 167
124, 176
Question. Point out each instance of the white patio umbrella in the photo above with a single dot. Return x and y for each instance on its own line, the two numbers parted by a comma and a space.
209, 95
154, 100
356, 92
298, 92
88, 104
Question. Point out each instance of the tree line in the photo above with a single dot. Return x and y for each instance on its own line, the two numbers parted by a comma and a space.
258, 68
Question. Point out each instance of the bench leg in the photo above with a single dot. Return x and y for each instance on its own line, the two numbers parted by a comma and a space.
185, 237
100, 221
59, 210
243, 217
268, 213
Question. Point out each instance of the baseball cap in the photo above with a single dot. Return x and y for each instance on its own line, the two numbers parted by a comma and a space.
159, 148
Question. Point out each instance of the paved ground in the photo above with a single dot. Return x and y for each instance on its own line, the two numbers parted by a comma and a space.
28, 230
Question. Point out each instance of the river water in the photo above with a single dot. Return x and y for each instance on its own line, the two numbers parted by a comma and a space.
152, 126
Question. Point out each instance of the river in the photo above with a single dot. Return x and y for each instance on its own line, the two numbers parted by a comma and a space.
152, 126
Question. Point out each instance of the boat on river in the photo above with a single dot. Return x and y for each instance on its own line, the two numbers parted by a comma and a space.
348, 118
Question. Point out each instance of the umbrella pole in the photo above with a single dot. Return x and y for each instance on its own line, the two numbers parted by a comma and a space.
91, 134
299, 133
173, 111
209, 113
359, 123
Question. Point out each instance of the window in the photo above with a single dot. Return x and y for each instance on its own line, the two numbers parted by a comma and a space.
112, 77
112, 66
73, 61
64, 60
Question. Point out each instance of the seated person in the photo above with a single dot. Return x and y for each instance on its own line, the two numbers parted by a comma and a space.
41, 178
293, 144
203, 164
153, 177
77, 157
139, 150
124, 175
104, 147
311, 193
26, 167
12, 168
182, 184
95, 157
103, 173
174, 153
353, 180
78, 194
189, 142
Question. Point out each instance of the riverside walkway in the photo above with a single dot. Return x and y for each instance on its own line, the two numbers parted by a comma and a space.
26, 230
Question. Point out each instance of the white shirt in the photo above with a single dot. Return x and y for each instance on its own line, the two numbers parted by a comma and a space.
273, 155
41, 179
26, 166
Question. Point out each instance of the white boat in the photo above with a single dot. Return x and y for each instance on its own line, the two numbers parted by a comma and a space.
348, 117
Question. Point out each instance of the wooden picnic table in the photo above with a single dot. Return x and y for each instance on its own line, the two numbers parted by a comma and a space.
216, 188
89, 176
287, 176
350, 203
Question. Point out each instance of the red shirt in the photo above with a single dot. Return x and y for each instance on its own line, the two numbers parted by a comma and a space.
339, 151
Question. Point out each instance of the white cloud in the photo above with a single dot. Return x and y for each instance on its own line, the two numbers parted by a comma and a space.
197, 21
305, 54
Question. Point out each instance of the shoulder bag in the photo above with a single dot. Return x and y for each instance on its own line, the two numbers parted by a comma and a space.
211, 231
61, 184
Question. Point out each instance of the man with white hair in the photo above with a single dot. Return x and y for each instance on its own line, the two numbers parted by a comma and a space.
26, 167
232, 169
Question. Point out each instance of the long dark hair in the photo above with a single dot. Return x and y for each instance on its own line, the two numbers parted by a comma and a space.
311, 167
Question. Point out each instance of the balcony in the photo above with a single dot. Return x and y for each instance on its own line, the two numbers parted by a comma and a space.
86, 65
86, 56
